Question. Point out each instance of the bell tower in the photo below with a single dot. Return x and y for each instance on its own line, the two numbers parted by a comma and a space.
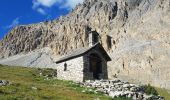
93, 38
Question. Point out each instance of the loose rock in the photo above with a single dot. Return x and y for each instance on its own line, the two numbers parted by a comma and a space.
4, 83
118, 88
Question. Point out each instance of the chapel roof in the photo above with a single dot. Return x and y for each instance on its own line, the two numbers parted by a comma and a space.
81, 51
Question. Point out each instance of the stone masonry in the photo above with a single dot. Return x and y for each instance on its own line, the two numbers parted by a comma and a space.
78, 69
74, 70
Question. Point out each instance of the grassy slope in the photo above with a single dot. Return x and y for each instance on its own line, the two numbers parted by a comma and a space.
164, 93
25, 79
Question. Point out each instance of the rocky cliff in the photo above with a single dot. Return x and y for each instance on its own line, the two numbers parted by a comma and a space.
140, 31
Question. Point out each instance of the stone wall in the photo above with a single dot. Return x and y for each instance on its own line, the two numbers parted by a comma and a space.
73, 72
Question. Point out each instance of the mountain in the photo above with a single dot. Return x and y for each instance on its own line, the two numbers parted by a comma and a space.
140, 31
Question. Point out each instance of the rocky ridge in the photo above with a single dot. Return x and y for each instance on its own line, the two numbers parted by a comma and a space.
41, 58
140, 44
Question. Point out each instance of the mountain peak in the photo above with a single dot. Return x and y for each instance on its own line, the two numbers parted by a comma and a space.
139, 31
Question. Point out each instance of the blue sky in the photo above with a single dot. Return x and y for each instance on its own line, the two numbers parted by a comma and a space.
21, 12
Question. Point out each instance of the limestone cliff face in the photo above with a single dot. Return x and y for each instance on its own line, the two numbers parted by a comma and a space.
140, 31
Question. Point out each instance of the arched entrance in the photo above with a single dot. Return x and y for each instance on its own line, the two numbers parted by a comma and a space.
95, 65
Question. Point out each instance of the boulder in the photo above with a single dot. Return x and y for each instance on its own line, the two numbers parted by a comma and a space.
4, 83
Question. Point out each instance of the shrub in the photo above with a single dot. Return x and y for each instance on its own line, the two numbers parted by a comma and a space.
1, 92
48, 72
148, 89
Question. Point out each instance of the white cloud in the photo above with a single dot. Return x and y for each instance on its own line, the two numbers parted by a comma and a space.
72, 3
14, 23
41, 11
66, 4
45, 3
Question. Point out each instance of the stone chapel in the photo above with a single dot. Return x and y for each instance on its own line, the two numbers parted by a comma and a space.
88, 63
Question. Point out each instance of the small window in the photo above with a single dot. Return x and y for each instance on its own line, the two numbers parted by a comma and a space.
65, 66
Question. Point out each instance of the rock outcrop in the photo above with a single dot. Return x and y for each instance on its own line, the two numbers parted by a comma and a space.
140, 31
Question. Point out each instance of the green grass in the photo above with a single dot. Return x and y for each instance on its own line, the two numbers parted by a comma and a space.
27, 84
122, 98
163, 93
24, 80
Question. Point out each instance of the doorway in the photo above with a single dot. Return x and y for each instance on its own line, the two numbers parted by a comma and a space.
95, 66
